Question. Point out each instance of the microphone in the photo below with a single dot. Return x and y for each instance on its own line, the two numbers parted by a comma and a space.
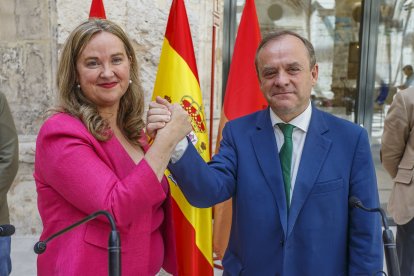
114, 243
390, 250
356, 203
7, 230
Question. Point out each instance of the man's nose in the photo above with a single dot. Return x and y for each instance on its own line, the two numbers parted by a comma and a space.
282, 79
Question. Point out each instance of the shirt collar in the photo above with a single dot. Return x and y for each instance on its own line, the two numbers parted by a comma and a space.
301, 121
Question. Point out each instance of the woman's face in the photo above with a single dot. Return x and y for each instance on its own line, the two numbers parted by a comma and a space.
103, 70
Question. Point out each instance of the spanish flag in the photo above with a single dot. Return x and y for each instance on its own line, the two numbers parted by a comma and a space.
177, 81
243, 96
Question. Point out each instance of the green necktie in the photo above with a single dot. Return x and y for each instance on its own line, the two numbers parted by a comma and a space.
285, 155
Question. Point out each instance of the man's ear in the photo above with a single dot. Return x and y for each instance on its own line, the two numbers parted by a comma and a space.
315, 73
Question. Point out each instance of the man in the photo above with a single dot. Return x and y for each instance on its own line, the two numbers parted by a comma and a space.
289, 217
397, 156
409, 80
9, 158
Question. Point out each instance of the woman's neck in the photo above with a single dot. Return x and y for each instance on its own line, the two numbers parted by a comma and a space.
110, 116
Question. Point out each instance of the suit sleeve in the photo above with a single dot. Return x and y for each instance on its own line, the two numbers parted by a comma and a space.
67, 162
9, 146
395, 135
206, 184
364, 235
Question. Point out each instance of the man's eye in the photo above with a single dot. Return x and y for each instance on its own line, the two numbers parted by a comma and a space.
294, 69
269, 74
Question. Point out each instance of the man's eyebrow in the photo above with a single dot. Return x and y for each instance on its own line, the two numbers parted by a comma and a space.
295, 63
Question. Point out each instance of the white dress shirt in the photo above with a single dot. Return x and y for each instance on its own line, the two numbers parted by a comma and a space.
301, 124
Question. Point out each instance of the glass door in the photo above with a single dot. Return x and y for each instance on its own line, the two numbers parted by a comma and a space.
394, 52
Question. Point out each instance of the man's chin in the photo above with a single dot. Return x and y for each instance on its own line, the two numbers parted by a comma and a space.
282, 107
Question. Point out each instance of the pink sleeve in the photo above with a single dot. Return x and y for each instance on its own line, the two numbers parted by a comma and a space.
72, 162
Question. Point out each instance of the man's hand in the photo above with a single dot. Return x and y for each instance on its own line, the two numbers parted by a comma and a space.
178, 126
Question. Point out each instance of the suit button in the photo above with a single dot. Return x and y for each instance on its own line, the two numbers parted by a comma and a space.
281, 242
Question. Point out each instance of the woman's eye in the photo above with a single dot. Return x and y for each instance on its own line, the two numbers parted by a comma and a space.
92, 63
117, 60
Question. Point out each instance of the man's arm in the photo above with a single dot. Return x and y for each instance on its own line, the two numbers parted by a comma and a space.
9, 146
364, 230
206, 184
396, 132
9, 149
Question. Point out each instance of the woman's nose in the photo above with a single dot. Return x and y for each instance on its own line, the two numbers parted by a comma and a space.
107, 71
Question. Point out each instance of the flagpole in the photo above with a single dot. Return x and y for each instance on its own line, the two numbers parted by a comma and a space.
216, 24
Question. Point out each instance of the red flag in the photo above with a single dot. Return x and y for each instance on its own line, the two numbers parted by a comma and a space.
243, 96
97, 10
177, 81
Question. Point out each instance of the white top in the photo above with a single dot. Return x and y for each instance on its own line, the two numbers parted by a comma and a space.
301, 124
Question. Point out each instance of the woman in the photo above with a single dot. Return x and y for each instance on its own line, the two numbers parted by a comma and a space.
92, 154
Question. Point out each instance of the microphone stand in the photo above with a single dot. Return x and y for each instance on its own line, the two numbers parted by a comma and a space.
114, 243
390, 249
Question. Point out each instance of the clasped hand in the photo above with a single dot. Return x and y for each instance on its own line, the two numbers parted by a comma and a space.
168, 120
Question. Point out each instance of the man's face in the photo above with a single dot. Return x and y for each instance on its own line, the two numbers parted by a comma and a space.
285, 76
407, 72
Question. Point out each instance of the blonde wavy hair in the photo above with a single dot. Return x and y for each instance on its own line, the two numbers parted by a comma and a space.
73, 101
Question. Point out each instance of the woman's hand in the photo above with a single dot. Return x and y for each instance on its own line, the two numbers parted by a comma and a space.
169, 120
168, 124
158, 116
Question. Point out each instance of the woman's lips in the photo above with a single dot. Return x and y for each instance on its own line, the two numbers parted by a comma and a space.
108, 85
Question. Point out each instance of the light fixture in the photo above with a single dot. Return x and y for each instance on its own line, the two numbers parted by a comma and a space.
275, 12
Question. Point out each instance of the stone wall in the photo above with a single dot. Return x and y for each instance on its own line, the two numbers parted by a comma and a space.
31, 34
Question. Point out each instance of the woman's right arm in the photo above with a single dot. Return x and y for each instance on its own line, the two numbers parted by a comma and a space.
73, 164
167, 137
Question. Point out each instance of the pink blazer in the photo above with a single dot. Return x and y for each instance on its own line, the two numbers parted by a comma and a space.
77, 175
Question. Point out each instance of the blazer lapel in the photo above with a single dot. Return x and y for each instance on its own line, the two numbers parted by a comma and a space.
264, 145
314, 154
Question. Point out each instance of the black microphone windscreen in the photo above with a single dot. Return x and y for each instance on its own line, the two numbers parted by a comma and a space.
6, 230
354, 201
39, 247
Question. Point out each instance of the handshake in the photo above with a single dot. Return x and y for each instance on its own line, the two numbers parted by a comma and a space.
167, 121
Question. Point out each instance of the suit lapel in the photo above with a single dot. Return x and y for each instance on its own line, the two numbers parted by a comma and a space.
314, 153
264, 145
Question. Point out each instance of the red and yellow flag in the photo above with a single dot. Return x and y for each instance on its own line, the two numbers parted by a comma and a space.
97, 10
243, 96
177, 81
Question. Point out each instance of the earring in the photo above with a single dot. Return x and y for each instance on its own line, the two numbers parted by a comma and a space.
78, 86
130, 81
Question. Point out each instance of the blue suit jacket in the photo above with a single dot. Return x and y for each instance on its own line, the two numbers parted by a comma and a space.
321, 235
